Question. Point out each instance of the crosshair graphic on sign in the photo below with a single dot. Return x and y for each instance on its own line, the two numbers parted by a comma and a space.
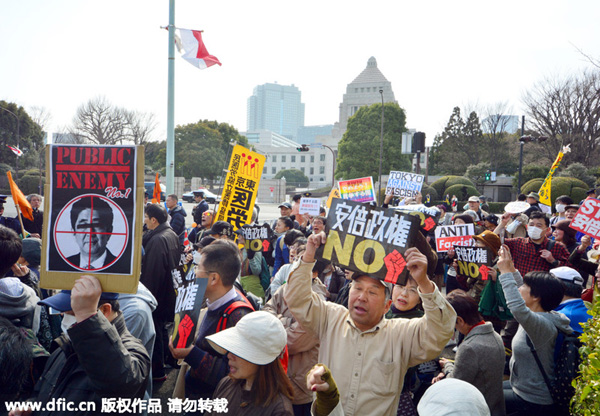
91, 233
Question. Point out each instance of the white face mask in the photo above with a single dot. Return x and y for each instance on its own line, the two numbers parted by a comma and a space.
560, 208
67, 322
534, 232
197, 257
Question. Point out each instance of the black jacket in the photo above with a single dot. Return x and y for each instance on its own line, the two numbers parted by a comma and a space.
199, 210
161, 255
100, 360
177, 222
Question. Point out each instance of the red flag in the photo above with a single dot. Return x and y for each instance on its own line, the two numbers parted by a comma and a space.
16, 150
156, 194
194, 50
19, 198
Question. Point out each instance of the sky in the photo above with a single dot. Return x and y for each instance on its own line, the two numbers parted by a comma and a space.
58, 54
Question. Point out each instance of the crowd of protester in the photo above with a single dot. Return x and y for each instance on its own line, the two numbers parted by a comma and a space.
282, 333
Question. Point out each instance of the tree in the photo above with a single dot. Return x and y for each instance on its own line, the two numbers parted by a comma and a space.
477, 173
496, 135
17, 125
567, 111
202, 148
530, 172
140, 127
579, 171
458, 146
293, 177
100, 122
358, 150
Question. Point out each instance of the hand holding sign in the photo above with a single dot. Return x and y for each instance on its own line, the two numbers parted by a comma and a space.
416, 262
312, 244
85, 295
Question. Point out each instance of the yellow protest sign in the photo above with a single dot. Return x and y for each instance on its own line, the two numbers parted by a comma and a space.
241, 187
335, 193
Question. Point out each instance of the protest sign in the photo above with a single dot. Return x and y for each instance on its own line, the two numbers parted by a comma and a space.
359, 190
241, 187
473, 261
447, 236
310, 206
369, 240
587, 218
190, 295
404, 184
93, 216
335, 193
428, 216
257, 237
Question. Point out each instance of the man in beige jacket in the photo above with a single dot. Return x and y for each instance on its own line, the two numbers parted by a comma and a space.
366, 353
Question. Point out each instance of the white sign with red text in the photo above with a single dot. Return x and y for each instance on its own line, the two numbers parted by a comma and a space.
447, 236
587, 219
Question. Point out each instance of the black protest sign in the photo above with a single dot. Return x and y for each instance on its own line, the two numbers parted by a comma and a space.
369, 240
187, 310
428, 216
473, 262
257, 237
93, 216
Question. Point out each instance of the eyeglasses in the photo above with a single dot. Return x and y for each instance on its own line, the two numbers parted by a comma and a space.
206, 272
206, 214
408, 289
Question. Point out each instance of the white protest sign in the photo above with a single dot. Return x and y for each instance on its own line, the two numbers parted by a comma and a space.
310, 206
447, 236
404, 184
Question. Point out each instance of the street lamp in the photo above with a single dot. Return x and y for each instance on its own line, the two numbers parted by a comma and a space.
18, 128
380, 145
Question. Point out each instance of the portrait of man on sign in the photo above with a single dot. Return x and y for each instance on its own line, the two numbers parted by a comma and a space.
91, 235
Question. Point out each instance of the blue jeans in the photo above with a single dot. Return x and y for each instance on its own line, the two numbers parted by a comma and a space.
517, 406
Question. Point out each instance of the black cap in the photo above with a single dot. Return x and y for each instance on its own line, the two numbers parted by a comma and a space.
221, 228
3, 199
591, 191
198, 193
285, 205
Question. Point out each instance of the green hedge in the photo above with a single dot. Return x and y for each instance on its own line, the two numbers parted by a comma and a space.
573, 187
431, 191
495, 207
462, 192
442, 183
29, 184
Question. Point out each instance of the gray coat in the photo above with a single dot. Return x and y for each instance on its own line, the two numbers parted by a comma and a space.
480, 361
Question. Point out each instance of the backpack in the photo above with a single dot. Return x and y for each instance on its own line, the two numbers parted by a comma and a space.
566, 367
244, 303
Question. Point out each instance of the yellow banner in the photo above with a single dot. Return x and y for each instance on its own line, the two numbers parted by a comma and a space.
545, 198
335, 193
241, 187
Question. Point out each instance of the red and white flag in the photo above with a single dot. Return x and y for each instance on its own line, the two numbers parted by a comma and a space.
194, 50
16, 150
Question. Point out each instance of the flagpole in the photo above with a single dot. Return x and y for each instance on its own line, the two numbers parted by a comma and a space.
20, 219
170, 168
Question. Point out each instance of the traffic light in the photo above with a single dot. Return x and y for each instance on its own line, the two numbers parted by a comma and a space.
303, 148
488, 175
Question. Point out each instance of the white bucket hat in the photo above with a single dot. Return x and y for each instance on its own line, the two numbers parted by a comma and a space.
259, 337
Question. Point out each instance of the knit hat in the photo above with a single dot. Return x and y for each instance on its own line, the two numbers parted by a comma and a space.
490, 240
492, 218
259, 337
32, 250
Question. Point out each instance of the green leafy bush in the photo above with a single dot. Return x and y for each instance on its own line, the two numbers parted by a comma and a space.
586, 400
29, 184
440, 185
462, 191
573, 187
429, 190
